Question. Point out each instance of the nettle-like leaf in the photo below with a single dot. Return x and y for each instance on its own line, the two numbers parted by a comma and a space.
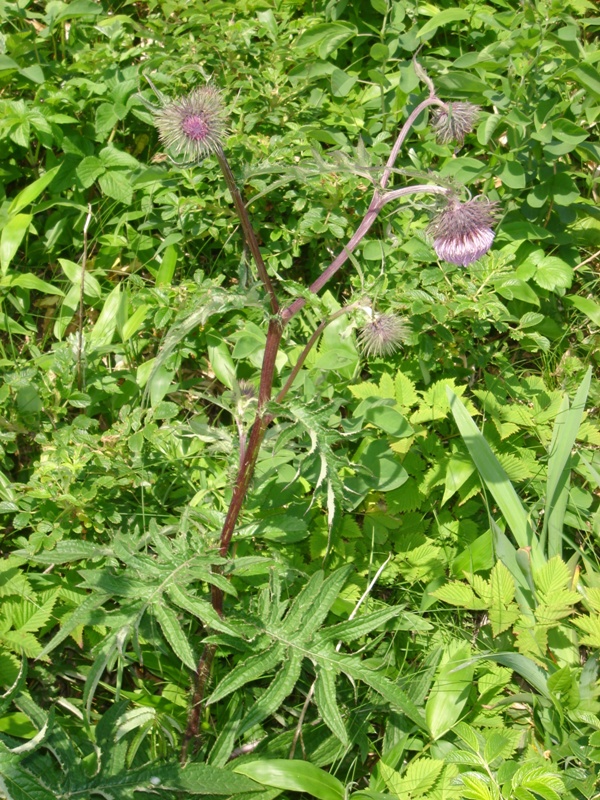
417, 780
288, 635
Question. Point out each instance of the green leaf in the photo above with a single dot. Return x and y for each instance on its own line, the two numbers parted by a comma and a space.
165, 273
106, 324
494, 477
294, 776
12, 235
33, 191
221, 361
272, 697
361, 626
326, 700
326, 37
89, 169
16, 783
564, 434
441, 19
173, 632
117, 185
587, 306
459, 594
450, 690
29, 281
342, 83
249, 670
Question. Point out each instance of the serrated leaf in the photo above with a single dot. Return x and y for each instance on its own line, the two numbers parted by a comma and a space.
249, 670
117, 185
326, 700
81, 616
355, 628
459, 594
173, 633
270, 699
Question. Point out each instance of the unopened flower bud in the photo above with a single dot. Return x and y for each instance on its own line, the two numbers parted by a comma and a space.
383, 335
452, 122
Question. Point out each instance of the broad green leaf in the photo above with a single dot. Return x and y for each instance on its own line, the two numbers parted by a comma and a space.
135, 322
326, 37
165, 273
117, 184
220, 360
29, 281
12, 235
587, 306
295, 776
450, 690
174, 634
103, 331
326, 700
441, 19
32, 192
419, 777
459, 594
89, 170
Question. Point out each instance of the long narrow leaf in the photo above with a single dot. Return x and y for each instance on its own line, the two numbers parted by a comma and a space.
173, 633
566, 427
249, 670
326, 700
273, 697
495, 478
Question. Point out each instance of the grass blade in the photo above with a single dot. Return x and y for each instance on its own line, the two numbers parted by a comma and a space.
564, 434
495, 478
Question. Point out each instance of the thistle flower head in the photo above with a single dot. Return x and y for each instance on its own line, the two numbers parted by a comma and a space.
382, 335
453, 121
462, 232
192, 126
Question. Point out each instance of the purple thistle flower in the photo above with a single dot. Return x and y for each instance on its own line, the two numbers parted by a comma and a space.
462, 232
452, 122
383, 335
193, 126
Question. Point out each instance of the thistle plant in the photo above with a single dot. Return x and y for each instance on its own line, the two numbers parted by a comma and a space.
194, 127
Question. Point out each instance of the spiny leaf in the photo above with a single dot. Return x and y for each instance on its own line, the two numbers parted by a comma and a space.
173, 633
325, 698
273, 697
252, 668
361, 626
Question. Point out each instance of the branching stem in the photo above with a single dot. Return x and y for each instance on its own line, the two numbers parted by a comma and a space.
274, 334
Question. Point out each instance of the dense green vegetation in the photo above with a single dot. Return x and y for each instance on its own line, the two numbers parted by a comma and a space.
409, 606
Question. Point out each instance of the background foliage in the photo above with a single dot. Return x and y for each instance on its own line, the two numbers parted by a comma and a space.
431, 562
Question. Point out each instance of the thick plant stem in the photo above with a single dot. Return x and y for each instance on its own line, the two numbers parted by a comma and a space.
247, 228
202, 674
